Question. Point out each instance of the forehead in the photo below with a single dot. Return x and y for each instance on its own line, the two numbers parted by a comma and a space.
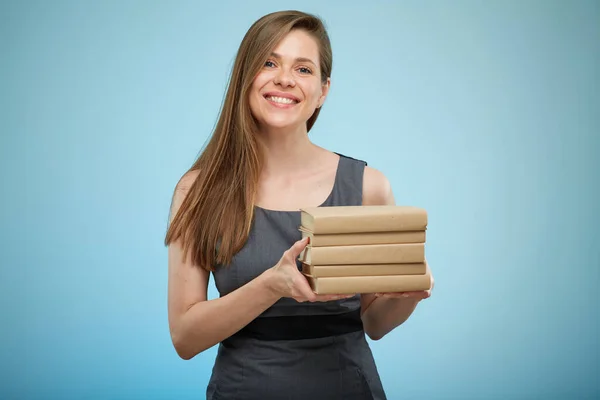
298, 43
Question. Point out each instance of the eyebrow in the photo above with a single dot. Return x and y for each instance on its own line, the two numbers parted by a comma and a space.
299, 59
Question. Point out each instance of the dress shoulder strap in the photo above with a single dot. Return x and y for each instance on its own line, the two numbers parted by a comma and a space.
348, 187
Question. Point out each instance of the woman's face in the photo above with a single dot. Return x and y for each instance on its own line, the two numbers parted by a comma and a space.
288, 89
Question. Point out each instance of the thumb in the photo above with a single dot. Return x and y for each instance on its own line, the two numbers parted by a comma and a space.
297, 248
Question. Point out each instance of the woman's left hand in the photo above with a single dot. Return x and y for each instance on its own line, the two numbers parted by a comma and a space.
419, 295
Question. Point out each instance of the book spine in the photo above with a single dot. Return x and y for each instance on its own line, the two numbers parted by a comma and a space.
370, 284
350, 239
400, 253
364, 269
370, 223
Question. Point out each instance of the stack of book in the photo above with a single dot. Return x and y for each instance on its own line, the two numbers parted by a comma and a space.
364, 249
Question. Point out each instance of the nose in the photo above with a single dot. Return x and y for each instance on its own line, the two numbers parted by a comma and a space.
284, 78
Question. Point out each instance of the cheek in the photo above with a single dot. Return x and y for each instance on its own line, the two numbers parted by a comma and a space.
257, 85
254, 95
261, 80
313, 94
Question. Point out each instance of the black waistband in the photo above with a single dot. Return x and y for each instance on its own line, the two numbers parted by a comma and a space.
302, 326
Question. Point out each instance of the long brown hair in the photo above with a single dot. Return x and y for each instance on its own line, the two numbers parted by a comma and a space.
214, 220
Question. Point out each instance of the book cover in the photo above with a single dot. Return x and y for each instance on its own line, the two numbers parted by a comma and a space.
355, 219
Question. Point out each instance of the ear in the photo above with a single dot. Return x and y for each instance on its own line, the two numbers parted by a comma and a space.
324, 92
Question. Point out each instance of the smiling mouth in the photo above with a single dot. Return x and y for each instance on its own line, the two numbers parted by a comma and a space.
281, 100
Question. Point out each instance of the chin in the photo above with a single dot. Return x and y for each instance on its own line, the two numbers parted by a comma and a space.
280, 123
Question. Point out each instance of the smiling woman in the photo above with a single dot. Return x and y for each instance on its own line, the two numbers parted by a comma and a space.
235, 214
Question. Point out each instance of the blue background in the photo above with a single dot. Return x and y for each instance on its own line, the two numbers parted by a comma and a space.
487, 114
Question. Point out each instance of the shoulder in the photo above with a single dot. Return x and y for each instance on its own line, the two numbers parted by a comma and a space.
182, 188
186, 181
377, 189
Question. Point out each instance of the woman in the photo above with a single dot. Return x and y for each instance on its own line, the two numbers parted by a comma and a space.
236, 214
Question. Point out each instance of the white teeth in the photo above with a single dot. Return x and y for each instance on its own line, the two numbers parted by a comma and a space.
282, 100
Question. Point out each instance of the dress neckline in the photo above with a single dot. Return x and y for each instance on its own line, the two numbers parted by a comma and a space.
327, 200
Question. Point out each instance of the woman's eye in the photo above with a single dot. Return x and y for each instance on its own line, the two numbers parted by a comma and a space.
269, 64
305, 70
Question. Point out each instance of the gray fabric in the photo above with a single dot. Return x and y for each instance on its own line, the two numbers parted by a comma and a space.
337, 367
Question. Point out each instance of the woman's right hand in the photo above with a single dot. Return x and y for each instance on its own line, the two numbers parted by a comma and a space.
287, 281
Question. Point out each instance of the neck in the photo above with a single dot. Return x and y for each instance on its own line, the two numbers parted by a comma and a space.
285, 150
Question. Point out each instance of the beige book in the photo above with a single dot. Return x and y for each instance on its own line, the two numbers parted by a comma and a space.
355, 219
396, 253
364, 269
369, 284
346, 239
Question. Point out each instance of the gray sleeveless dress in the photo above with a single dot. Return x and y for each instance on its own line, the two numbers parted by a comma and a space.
294, 351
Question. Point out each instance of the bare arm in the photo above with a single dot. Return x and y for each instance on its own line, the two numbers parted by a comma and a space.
196, 323
382, 314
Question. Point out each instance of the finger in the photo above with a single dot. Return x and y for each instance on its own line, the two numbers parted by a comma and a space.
297, 248
404, 295
419, 296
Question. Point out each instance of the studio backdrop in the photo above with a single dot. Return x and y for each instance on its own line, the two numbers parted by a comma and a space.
486, 114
